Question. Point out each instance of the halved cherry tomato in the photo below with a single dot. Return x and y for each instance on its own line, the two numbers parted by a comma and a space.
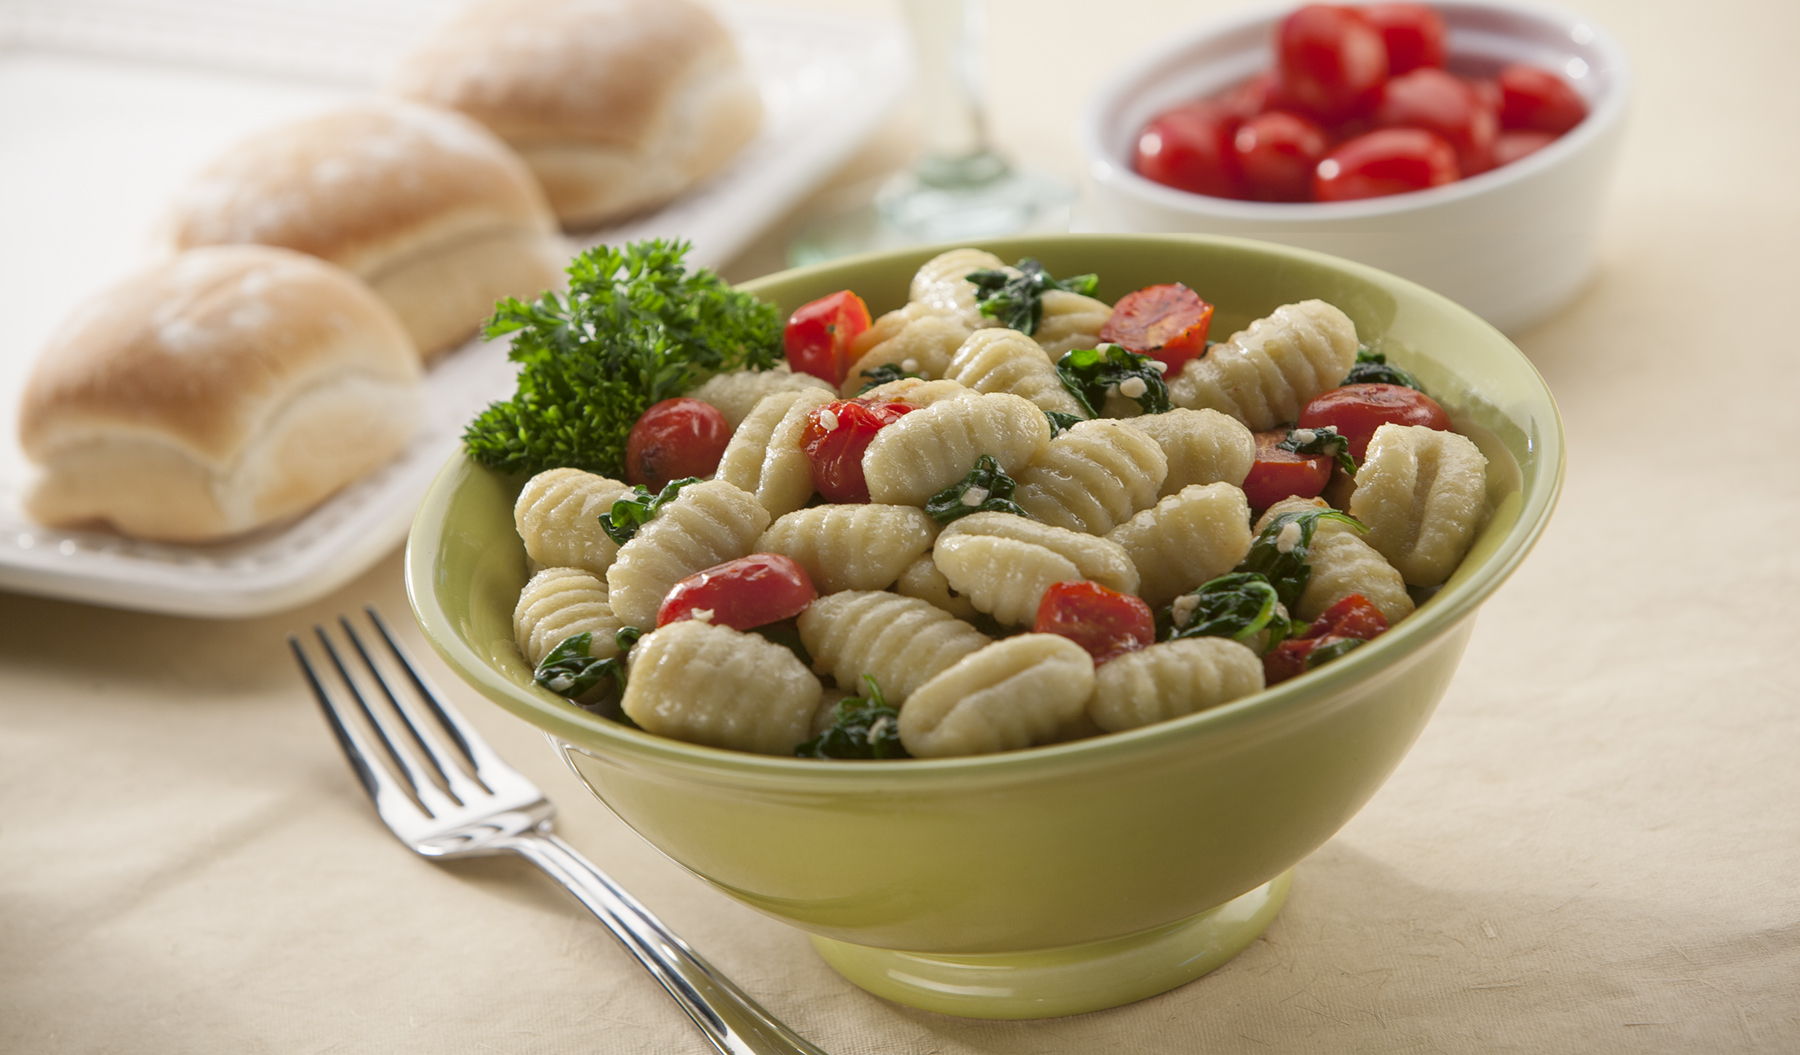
1189, 148
1385, 161
1444, 103
1105, 622
1352, 617
1358, 410
675, 438
745, 593
1537, 99
1277, 152
1511, 146
1414, 35
1330, 61
835, 437
1277, 473
819, 334
1168, 323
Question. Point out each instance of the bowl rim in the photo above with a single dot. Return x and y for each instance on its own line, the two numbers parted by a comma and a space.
1449, 607
1107, 170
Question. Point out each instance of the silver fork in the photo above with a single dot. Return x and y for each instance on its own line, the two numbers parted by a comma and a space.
446, 794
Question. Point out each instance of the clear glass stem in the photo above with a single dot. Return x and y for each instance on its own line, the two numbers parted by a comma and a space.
947, 36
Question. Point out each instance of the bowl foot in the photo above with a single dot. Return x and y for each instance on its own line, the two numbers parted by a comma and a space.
1045, 983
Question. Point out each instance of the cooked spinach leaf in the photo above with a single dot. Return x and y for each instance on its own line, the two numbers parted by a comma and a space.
861, 727
572, 673
1280, 550
1091, 374
635, 509
1237, 605
1373, 368
987, 489
1016, 299
882, 374
1320, 439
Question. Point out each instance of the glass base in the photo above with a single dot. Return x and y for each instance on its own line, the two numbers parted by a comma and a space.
1045, 983
913, 210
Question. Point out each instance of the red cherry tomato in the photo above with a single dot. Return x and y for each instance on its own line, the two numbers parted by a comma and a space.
1511, 146
1277, 152
835, 437
1385, 161
1414, 35
1537, 99
1277, 473
1189, 148
819, 335
675, 438
745, 593
1352, 617
1168, 323
1105, 622
1356, 411
1444, 103
1330, 61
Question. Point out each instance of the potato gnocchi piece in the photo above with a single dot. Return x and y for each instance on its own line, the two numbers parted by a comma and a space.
851, 547
1096, 558
713, 685
558, 603
933, 447
925, 580
1016, 692
1203, 447
942, 285
737, 392
919, 391
1343, 564
1172, 679
1422, 494
900, 641
1003, 577
557, 515
1266, 373
708, 523
1093, 477
1001, 360
919, 342
764, 456
1196, 534
1070, 321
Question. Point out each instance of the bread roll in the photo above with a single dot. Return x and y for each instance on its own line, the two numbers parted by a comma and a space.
216, 393
617, 107
437, 215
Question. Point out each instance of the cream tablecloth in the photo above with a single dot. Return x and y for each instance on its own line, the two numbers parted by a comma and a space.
1593, 848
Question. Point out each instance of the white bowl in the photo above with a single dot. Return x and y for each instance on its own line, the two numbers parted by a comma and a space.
1513, 244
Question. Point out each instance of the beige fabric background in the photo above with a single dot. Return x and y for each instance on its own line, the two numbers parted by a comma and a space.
1593, 848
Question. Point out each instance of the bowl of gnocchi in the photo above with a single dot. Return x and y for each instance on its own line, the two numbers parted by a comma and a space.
1013, 619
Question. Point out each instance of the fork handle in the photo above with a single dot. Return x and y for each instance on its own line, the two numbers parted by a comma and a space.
730, 1019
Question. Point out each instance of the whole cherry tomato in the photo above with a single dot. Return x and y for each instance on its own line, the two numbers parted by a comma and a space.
745, 593
1350, 618
835, 437
1251, 97
1414, 35
675, 438
1511, 146
1278, 473
1105, 622
1385, 161
1444, 103
1277, 152
1189, 148
819, 335
1537, 99
1168, 323
1330, 61
1356, 411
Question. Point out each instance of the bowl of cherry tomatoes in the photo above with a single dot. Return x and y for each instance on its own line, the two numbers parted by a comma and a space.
1465, 145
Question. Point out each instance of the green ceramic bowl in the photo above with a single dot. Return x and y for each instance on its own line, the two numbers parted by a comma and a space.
1064, 878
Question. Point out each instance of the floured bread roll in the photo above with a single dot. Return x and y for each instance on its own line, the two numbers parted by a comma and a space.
618, 106
437, 215
215, 393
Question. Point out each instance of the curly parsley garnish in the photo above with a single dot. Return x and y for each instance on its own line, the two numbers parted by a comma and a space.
635, 509
1279, 552
1322, 439
1091, 374
572, 672
636, 327
1237, 605
861, 727
1373, 368
882, 374
1016, 300
987, 489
